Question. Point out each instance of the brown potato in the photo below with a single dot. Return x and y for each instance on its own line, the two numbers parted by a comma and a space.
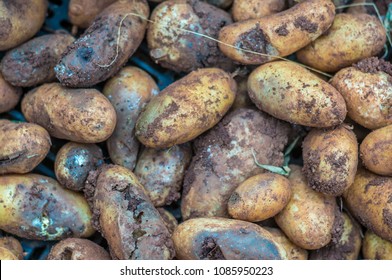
220, 3
289, 92
169, 220
278, 35
79, 115
376, 151
77, 249
376, 248
308, 219
36, 207
186, 108
161, 172
9, 95
330, 159
225, 239
11, 249
260, 197
83, 12
367, 90
129, 92
254, 9
125, 216
242, 99
23, 146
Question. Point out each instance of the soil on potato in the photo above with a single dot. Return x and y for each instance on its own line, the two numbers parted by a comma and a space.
373, 65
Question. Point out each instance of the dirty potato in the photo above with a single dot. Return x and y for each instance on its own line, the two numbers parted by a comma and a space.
169, 220
255, 9
77, 249
10, 249
376, 248
220, 3
242, 99
9, 95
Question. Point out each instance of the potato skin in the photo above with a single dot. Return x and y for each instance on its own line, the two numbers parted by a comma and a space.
330, 159
77, 249
79, 115
20, 20
254, 9
36, 207
220, 239
369, 199
260, 197
352, 37
186, 108
169, 220
9, 95
376, 151
11, 246
93, 58
129, 92
125, 216
376, 248
23, 146
242, 99
308, 218
289, 92
279, 34
83, 12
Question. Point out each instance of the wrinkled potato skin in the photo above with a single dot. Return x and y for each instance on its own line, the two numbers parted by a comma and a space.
369, 199
254, 9
129, 92
12, 246
186, 108
9, 95
161, 172
77, 249
83, 12
20, 20
376, 151
260, 197
279, 34
73, 163
23, 146
330, 159
376, 248
368, 96
169, 220
36, 207
308, 218
350, 39
79, 115
220, 239
125, 216
289, 92
33, 63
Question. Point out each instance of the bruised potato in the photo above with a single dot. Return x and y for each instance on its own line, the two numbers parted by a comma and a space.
9, 95
77, 249
255, 9
83, 12
376, 248
10, 249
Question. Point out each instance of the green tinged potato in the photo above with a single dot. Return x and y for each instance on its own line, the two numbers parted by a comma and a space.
376, 248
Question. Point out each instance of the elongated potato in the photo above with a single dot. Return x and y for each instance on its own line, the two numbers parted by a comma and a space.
376, 248
369, 199
77, 249
9, 95
83, 12
79, 115
10, 249
186, 108
277, 35
99, 53
289, 92
129, 92
225, 239
36, 207
255, 9
376, 151
23, 146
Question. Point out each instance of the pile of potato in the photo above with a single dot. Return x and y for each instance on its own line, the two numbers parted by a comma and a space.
215, 141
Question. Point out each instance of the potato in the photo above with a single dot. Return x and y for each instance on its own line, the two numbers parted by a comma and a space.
99, 53
350, 39
220, 3
289, 92
224, 239
10, 249
376, 151
308, 219
280, 34
23, 146
77, 249
125, 216
169, 220
224, 159
20, 20
79, 115
73, 163
260, 197
186, 108
367, 89
376, 248
129, 91
161, 172
183, 51
330, 159
255, 9
382, 7
36, 207
369, 199
9, 95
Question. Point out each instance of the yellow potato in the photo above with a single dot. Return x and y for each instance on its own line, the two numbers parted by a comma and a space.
83, 12
9, 95
253, 9
10, 248
376, 248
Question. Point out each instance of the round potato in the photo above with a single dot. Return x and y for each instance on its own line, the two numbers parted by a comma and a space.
260, 197
36, 207
186, 108
23, 146
9, 95
77, 249
254, 9
169, 220
11, 249
376, 248
289, 92
79, 115
376, 151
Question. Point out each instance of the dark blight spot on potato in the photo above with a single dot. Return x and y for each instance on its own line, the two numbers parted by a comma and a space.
379, 181
254, 40
387, 217
282, 30
5, 29
305, 25
85, 53
66, 254
210, 250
